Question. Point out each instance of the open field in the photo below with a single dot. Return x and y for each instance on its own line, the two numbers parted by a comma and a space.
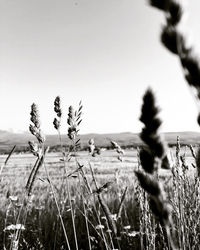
42, 226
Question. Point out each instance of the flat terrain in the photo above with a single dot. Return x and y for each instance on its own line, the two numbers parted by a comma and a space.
107, 164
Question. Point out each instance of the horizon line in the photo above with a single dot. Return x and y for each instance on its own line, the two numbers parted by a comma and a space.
98, 133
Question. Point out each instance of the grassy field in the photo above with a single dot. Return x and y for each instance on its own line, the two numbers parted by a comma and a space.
100, 199
126, 201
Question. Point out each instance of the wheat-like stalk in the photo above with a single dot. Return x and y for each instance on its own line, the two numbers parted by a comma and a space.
118, 149
58, 111
7, 159
176, 42
151, 159
40, 151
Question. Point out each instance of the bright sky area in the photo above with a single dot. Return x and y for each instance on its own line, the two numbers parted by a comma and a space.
103, 52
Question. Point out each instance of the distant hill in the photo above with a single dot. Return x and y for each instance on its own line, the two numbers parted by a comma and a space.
127, 139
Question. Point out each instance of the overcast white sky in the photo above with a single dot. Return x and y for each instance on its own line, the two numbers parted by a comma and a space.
103, 52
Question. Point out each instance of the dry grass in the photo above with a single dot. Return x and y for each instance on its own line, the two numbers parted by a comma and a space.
137, 228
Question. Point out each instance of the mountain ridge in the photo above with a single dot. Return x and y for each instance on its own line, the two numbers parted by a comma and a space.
125, 139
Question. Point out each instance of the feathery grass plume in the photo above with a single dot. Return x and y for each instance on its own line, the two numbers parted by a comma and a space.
118, 149
35, 116
153, 156
74, 120
155, 147
35, 148
57, 109
175, 41
35, 127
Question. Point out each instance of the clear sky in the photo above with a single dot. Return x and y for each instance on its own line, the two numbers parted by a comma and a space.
103, 52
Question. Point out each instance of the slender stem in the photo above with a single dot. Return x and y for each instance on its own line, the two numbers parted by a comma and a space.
69, 195
58, 209
85, 215
96, 186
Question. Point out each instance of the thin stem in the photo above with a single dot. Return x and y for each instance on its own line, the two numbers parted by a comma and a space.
56, 202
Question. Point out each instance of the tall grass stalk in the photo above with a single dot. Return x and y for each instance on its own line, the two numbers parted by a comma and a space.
98, 217
57, 124
57, 206
36, 131
153, 157
7, 159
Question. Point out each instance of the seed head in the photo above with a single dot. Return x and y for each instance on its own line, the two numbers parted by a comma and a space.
35, 116
35, 127
56, 123
57, 107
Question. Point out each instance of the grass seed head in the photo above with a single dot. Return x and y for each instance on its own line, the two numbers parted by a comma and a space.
150, 134
35, 116
35, 127
57, 107
74, 120
56, 123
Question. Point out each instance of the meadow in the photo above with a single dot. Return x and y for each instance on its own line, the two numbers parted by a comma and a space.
127, 203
